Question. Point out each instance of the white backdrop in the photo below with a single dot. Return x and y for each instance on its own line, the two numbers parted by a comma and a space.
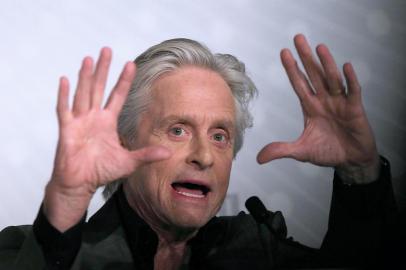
43, 39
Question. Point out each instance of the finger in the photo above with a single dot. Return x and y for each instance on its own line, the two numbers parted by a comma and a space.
274, 151
81, 103
333, 75
120, 90
354, 88
150, 154
100, 77
62, 106
296, 77
311, 66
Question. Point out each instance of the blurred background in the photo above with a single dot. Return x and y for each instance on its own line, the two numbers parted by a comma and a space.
44, 39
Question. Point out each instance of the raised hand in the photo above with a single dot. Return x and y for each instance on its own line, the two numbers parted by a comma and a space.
89, 152
336, 130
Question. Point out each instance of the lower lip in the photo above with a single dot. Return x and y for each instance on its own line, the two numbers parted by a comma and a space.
191, 197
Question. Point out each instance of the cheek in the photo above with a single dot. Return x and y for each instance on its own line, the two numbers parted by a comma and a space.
145, 179
157, 176
224, 170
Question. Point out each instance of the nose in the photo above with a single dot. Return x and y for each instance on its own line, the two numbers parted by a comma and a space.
200, 156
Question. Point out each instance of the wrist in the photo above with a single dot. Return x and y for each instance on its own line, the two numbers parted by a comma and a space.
360, 174
64, 207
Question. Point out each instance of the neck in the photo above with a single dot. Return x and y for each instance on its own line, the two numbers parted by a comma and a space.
170, 256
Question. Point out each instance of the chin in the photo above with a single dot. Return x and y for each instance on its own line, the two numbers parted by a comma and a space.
191, 220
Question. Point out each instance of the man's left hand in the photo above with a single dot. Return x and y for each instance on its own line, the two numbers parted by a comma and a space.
336, 129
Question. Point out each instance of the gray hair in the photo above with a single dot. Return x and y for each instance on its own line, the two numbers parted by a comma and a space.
171, 55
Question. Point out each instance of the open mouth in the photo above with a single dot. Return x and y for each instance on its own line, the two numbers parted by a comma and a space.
191, 190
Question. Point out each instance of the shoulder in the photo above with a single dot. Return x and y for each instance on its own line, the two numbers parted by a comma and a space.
238, 223
230, 242
12, 237
238, 231
19, 249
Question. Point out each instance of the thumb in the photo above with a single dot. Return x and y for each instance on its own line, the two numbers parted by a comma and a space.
275, 150
150, 154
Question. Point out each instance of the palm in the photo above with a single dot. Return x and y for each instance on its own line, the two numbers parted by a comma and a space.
336, 130
89, 150
334, 134
92, 151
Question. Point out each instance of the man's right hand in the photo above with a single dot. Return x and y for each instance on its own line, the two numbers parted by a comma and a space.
89, 152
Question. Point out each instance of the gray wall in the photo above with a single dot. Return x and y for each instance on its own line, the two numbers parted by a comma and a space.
43, 39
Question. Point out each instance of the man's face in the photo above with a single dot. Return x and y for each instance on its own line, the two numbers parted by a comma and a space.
192, 113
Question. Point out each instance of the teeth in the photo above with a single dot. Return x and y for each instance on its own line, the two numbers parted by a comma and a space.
190, 194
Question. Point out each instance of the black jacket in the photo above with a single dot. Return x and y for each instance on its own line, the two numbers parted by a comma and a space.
361, 218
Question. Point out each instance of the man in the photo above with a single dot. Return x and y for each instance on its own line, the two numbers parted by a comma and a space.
179, 127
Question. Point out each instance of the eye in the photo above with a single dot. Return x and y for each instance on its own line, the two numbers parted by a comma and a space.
177, 131
219, 137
